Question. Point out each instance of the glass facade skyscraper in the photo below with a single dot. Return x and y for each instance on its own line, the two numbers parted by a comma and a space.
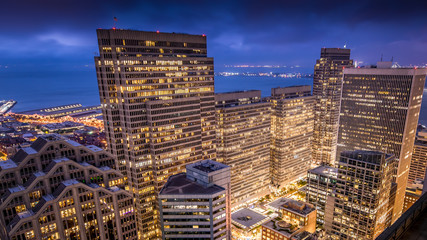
362, 203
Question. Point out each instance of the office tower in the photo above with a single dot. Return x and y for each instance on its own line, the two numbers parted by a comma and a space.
327, 82
196, 204
158, 103
379, 111
291, 133
417, 170
295, 218
59, 189
321, 183
243, 143
362, 203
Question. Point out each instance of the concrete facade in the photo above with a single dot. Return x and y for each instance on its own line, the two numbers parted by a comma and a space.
417, 170
243, 143
321, 183
157, 97
196, 204
59, 189
327, 87
291, 133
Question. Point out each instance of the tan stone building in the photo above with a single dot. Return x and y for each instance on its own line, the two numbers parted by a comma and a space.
59, 189
243, 143
157, 96
327, 83
296, 219
291, 133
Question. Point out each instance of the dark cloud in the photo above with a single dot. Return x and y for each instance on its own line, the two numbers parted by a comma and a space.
248, 31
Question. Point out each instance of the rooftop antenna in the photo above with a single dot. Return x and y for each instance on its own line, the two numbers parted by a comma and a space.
381, 57
115, 21
392, 58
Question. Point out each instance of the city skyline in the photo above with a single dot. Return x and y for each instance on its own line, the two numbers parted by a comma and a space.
183, 141
61, 34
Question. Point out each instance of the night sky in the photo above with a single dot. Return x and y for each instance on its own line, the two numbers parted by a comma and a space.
60, 35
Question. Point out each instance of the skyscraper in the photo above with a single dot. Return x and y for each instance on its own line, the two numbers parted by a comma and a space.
379, 111
327, 82
291, 133
157, 97
243, 142
362, 204
59, 189
196, 204
419, 158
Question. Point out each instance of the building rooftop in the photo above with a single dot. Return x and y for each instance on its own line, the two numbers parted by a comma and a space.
280, 226
335, 52
304, 236
374, 157
29, 150
292, 91
70, 182
25, 214
39, 174
387, 71
247, 218
104, 168
114, 189
63, 125
298, 207
207, 166
94, 148
93, 185
237, 95
326, 171
63, 159
48, 197
150, 35
180, 185
17, 189
74, 143
7, 164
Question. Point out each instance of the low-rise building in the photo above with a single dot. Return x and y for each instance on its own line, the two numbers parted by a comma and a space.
196, 204
59, 189
294, 217
414, 191
247, 224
